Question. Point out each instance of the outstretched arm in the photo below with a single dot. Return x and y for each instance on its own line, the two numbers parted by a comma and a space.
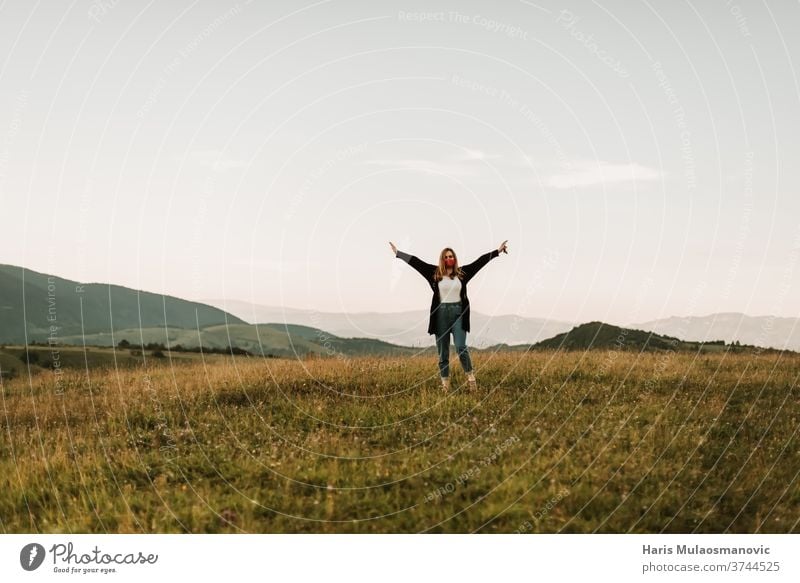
472, 268
426, 270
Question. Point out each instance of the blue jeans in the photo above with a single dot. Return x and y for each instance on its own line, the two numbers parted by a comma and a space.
448, 319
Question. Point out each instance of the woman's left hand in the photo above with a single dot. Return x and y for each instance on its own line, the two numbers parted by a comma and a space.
502, 247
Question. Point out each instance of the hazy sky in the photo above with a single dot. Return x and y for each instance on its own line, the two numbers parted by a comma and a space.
640, 157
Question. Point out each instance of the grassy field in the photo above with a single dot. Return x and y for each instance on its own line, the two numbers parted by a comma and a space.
550, 442
16, 361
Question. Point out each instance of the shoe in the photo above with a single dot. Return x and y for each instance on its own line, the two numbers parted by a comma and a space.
471, 382
445, 383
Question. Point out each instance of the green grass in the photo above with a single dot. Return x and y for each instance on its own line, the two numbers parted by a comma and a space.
45, 358
550, 442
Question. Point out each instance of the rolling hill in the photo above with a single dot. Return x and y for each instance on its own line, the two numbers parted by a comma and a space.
771, 331
31, 303
273, 339
37, 308
598, 335
103, 315
406, 328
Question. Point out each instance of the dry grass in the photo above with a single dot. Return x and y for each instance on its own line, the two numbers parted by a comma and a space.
550, 442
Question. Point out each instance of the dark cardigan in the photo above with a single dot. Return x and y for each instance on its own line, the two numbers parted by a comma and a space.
427, 271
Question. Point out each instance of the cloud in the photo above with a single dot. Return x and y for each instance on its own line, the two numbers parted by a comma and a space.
585, 173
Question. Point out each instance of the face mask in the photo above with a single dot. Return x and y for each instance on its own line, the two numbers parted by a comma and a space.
449, 262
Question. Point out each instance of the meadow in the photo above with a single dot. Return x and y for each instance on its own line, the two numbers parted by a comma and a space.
551, 441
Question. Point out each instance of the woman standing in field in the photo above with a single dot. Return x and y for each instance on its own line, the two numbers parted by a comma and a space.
450, 305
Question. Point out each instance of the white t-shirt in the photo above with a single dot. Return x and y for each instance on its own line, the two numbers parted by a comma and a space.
449, 290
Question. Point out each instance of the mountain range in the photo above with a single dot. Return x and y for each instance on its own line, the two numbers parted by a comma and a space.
37, 308
408, 328
403, 328
766, 331
40, 308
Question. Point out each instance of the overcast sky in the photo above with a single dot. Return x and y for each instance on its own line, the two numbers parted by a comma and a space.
639, 157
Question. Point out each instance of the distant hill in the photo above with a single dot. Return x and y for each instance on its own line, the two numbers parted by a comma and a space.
32, 302
104, 314
601, 335
598, 335
260, 339
408, 328
771, 331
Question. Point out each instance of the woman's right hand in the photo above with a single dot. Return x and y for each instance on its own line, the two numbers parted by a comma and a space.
394, 249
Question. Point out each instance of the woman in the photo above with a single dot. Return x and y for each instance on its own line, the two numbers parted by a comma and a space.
450, 305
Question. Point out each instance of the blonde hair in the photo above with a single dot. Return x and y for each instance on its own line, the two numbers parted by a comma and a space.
441, 271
